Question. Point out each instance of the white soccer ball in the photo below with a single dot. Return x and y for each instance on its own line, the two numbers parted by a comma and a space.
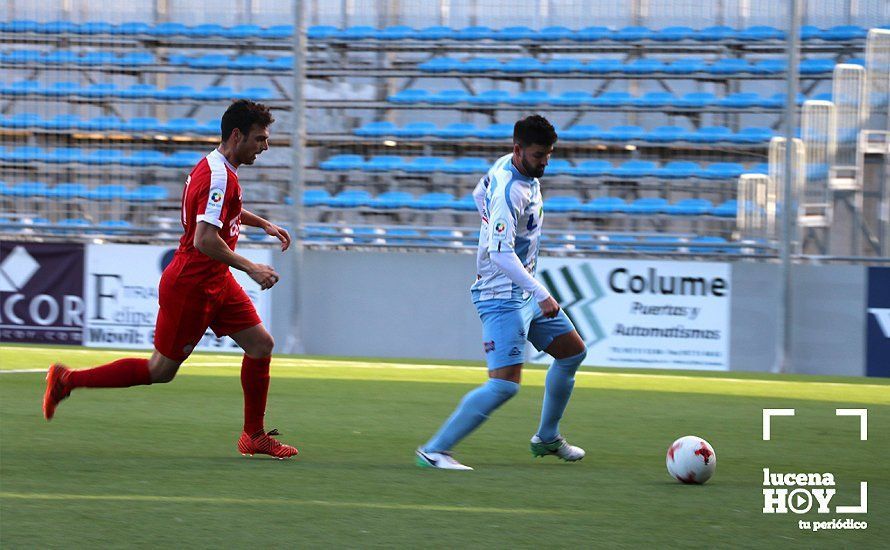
691, 459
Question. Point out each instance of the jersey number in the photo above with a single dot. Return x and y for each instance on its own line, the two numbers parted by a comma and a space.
531, 223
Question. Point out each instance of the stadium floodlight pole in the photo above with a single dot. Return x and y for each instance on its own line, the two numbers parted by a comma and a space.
783, 361
294, 340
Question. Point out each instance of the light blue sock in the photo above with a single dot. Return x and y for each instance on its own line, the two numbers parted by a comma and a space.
557, 390
472, 411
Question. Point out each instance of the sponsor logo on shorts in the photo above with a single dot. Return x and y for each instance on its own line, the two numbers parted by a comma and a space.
488, 346
514, 352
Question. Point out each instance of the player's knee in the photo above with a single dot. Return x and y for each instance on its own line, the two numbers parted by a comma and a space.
262, 347
161, 374
506, 389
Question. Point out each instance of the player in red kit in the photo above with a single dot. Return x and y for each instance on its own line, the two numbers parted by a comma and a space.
198, 291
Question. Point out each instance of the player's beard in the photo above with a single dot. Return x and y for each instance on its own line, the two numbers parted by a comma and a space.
532, 173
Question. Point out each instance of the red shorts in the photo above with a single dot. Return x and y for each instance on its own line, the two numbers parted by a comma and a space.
188, 309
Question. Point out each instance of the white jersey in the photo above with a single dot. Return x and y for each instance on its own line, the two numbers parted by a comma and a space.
512, 211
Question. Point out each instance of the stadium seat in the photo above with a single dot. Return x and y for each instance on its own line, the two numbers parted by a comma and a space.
553, 34
690, 207
653, 99
562, 66
21, 120
603, 66
148, 193
532, 97
436, 32
103, 156
604, 205
415, 130
710, 134
729, 67
612, 99
22, 88
666, 134
647, 206
632, 34
57, 27
316, 233
72, 225
644, 66
495, 131
322, 32
138, 91
277, 32
22, 57
144, 158
175, 92
522, 65
559, 167
571, 99
424, 165
759, 33
100, 90
629, 239
251, 62
679, 169
622, 133
686, 66
351, 198
673, 34
28, 189
137, 59
168, 29
658, 243
562, 204
467, 165
131, 28
465, 204
457, 130
61, 122
392, 200
636, 169
480, 65
257, 93
68, 191
448, 97
440, 65
717, 33
403, 235
515, 33
740, 100
206, 30
843, 33
816, 66
490, 97
770, 66
108, 193
142, 124
593, 168
182, 125
433, 201
316, 197
20, 25
384, 163
591, 34
752, 135
60, 57
182, 159
581, 132
695, 100
376, 129
474, 33
695, 245
210, 61
410, 96
212, 93
242, 31
343, 162
723, 170
358, 32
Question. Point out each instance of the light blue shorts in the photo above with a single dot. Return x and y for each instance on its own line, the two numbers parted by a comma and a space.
507, 324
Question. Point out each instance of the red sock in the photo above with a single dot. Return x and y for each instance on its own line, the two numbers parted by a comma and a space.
122, 373
255, 383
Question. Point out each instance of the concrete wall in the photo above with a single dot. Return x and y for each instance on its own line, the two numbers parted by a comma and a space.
417, 305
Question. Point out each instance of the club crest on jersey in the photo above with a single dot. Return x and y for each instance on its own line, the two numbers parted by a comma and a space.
216, 196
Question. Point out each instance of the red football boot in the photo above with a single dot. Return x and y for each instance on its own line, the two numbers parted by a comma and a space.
57, 389
265, 444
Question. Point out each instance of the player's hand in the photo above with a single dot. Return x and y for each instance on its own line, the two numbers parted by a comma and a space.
265, 276
279, 233
549, 307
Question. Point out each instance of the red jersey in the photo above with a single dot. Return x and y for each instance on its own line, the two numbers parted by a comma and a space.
211, 194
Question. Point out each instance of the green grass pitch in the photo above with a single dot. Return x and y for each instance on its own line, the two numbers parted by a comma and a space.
157, 466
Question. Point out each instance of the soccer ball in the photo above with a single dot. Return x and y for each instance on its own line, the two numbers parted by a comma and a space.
691, 459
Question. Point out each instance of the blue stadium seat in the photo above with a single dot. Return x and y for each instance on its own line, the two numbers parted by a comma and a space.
95, 59
22, 88
99, 156
20, 25
101, 124
666, 134
636, 169
343, 162
68, 191
168, 29
61, 122
316, 197
358, 32
322, 32
581, 132
115, 225
727, 209
148, 193
415, 130
175, 92
61, 89
760, 168
752, 135
809, 32
698, 241
480, 65
448, 97
658, 244
593, 168
559, 167
686, 66
654, 99
142, 124
103, 89
395, 32
257, 93
623, 133
571, 99
182, 125
28, 189
425, 165
456, 130
690, 207
740, 100
29, 154
495, 131
212, 93
283, 63
723, 170
108, 192
648, 206
644, 66
351, 198
562, 204
717, 33
182, 159
131, 28
474, 33
367, 235
695, 100
60, 57
433, 201
410, 96
22, 120
603, 66
605, 205
679, 169
277, 32
206, 30
673, 34
384, 163
816, 66
777, 101
512, 34
316, 233
138, 91
23, 57
759, 33
392, 200
632, 34
136, 59
490, 97
531, 97
522, 65
467, 165
73, 224
843, 33
436, 32
376, 129
553, 34
770, 66
629, 239
730, 66
403, 236
612, 99
440, 65
592, 34
210, 61
144, 158
251, 62
242, 31
710, 134
562, 66
466, 203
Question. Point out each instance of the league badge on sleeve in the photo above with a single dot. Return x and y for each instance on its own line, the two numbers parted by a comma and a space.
500, 229
216, 196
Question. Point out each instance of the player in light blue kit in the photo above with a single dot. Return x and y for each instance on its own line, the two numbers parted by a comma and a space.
513, 305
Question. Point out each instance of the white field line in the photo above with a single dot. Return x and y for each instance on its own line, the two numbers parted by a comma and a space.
305, 364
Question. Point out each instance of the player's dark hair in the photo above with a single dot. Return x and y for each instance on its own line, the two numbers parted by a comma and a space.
534, 129
243, 114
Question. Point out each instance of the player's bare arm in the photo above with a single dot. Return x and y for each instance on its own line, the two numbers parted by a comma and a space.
208, 241
251, 219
